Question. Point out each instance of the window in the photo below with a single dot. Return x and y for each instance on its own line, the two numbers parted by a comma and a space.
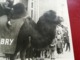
32, 5
31, 13
32, 9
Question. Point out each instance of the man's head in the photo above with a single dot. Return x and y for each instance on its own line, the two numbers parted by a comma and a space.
10, 1
19, 10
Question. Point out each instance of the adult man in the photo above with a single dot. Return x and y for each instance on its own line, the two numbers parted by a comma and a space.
8, 7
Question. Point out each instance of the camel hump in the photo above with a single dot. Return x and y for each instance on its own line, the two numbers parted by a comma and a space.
8, 36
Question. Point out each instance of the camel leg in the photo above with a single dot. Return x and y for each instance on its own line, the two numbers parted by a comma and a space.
13, 56
23, 54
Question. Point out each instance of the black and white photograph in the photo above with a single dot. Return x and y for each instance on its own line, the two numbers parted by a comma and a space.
35, 30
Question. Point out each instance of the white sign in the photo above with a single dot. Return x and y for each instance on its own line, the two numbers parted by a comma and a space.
6, 41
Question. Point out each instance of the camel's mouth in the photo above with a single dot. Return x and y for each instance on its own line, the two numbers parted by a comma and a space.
58, 20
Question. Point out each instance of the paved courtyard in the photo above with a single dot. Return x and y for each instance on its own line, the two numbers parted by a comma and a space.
64, 56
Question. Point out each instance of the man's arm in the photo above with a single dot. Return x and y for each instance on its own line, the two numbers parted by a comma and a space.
6, 6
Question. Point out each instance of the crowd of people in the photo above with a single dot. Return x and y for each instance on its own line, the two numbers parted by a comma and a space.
60, 43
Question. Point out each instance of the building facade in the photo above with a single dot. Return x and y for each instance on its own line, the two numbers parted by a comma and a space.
2, 0
37, 7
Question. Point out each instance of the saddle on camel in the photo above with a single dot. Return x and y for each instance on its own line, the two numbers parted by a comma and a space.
11, 20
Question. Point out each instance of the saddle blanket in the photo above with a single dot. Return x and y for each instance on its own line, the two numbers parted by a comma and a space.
8, 36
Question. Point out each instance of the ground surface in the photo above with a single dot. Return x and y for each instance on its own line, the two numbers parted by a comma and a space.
65, 56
